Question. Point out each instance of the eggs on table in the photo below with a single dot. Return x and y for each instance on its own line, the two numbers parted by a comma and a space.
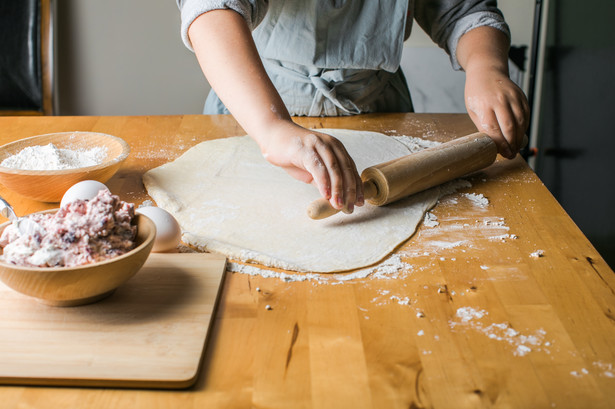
85, 190
168, 231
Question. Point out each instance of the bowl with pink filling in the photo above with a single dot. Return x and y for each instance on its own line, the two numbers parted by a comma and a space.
77, 254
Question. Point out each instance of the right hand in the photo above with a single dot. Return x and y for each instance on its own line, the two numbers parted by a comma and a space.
316, 158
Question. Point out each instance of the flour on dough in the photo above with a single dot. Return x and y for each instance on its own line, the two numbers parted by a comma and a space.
229, 199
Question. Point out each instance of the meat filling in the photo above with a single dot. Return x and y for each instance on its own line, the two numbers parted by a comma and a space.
81, 232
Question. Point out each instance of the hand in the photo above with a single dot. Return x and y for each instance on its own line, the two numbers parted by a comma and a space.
228, 56
498, 108
317, 158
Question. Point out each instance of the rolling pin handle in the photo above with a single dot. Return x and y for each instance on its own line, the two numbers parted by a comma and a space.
321, 208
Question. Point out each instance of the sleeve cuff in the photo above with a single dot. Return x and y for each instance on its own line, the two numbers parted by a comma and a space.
470, 22
191, 9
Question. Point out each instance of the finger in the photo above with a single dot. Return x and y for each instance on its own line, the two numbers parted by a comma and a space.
314, 164
350, 175
510, 128
522, 118
488, 123
331, 168
522, 109
359, 181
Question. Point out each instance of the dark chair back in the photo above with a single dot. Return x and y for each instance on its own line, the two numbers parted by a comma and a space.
26, 57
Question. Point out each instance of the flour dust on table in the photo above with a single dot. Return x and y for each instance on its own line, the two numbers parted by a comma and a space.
229, 199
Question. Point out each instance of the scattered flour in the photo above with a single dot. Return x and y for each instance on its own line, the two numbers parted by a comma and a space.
50, 157
256, 271
477, 199
446, 244
578, 374
522, 343
499, 222
503, 237
538, 254
430, 220
400, 300
415, 144
606, 368
468, 313
390, 268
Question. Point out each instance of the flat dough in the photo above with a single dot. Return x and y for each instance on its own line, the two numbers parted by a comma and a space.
229, 199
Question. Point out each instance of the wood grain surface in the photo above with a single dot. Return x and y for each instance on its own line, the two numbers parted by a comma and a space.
149, 333
542, 334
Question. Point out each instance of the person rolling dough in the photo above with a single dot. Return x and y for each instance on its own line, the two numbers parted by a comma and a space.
269, 60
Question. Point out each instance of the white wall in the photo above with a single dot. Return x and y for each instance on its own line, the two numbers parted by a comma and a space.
119, 57
125, 57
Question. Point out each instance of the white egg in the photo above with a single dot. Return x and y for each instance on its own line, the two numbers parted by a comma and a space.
168, 232
84, 190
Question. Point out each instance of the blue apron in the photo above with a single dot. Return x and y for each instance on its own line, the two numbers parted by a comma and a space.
332, 58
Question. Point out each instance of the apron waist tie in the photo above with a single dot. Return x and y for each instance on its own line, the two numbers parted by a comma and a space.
347, 90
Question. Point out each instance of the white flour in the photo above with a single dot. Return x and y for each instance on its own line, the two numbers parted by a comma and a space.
477, 199
430, 220
415, 144
503, 237
537, 254
469, 317
390, 268
50, 157
466, 314
605, 368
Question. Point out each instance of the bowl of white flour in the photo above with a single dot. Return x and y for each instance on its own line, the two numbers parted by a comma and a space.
43, 167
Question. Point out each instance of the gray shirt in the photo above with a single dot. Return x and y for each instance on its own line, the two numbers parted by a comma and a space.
336, 57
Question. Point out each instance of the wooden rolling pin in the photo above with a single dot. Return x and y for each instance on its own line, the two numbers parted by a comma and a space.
398, 178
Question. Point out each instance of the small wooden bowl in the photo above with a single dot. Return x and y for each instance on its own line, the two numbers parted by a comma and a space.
71, 286
50, 185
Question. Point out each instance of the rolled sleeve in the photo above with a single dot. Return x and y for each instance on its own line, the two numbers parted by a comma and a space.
446, 21
252, 11
468, 23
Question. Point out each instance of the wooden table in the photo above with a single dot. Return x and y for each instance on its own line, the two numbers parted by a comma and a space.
546, 338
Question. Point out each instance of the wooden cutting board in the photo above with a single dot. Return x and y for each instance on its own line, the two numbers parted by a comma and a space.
150, 332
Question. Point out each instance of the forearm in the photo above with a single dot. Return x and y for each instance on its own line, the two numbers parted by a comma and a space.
497, 105
228, 57
483, 48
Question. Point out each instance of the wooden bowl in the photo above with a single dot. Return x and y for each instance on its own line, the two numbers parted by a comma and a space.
70, 286
50, 185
